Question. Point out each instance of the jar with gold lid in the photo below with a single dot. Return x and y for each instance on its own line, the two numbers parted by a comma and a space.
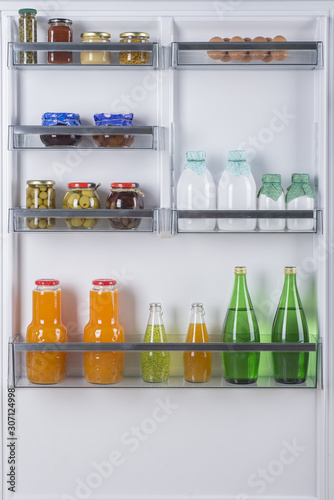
40, 195
135, 57
95, 57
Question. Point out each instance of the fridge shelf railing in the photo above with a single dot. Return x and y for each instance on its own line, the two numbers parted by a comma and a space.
152, 60
293, 55
21, 137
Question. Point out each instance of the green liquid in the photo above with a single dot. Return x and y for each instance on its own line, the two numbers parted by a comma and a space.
155, 365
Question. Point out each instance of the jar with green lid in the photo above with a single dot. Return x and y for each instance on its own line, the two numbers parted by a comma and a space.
28, 33
95, 57
40, 195
81, 195
136, 57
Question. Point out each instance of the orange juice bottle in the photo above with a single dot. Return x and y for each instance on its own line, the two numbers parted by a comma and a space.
46, 367
104, 326
197, 365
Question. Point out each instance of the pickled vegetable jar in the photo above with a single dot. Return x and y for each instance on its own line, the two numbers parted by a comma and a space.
125, 195
60, 30
46, 367
113, 140
95, 57
81, 195
137, 57
40, 195
61, 119
28, 33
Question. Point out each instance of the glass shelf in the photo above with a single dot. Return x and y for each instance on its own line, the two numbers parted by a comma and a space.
21, 137
299, 55
132, 379
42, 49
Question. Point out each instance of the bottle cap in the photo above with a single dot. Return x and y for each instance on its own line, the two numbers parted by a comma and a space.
70, 119
290, 270
135, 34
240, 270
300, 178
104, 282
120, 120
59, 20
124, 185
46, 282
100, 34
271, 179
27, 11
41, 183
237, 155
81, 185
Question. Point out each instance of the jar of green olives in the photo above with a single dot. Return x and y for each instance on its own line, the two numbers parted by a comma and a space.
125, 195
81, 195
40, 195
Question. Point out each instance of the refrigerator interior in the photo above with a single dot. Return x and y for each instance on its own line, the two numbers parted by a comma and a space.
165, 442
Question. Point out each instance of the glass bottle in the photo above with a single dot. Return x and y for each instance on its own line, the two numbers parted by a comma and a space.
271, 197
290, 325
197, 365
104, 326
300, 196
155, 365
60, 30
240, 326
46, 367
28, 34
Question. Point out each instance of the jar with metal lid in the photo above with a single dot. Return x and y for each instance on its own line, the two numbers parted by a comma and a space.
136, 57
28, 34
81, 195
125, 195
95, 57
40, 195
60, 30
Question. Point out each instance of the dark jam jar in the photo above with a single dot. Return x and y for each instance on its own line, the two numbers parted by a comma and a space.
126, 196
60, 30
113, 140
60, 119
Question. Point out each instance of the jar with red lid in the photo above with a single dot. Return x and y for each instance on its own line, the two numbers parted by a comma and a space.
60, 30
125, 196
81, 195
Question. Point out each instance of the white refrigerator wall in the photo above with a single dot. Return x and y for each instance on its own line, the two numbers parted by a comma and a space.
124, 444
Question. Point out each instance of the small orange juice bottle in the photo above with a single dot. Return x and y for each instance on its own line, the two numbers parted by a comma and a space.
46, 367
104, 327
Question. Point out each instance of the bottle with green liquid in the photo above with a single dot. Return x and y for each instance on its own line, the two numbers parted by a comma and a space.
290, 325
240, 326
155, 365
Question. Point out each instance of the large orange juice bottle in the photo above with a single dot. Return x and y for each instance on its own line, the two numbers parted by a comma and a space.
104, 326
197, 365
46, 367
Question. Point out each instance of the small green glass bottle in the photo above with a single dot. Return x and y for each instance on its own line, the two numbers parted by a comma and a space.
155, 365
240, 326
290, 325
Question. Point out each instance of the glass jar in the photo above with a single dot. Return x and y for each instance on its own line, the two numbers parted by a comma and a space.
40, 195
97, 57
27, 34
58, 120
113, 140
134, 57
125, 195
60, 30
81, 195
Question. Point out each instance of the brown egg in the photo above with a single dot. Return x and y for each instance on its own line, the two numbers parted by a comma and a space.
248, 56
213, 53
239, 54
259, 54
269, 39
268, 58
279, 55
226, 56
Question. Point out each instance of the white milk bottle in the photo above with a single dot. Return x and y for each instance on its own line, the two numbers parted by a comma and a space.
271, 197
237, 191
300, 196
196, 190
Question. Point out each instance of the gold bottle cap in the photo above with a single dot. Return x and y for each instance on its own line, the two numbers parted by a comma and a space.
240, 270
290, 270
41, 183
136, 34
100, 34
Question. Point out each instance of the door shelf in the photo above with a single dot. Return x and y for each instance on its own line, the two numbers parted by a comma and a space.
153, 51
132, 377
22, 137
299, 55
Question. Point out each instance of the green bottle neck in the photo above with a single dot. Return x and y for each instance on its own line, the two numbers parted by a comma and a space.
240, 297
290, 296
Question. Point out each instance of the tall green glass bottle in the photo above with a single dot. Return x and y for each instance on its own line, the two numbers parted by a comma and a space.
240, 326
290, 325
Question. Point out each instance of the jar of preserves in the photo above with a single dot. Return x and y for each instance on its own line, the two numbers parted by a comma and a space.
60, 119
125, 195
60, 30
95, 57
40, 195
28, 33
81, 195
113, 140
136, 57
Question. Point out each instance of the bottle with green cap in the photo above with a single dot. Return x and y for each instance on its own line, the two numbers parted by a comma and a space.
300, 196
237, 191
271, 197
290, 325
240, 326
28, 33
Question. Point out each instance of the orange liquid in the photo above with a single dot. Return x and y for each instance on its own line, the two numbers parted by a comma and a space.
197, 365
46, 367
104, 367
